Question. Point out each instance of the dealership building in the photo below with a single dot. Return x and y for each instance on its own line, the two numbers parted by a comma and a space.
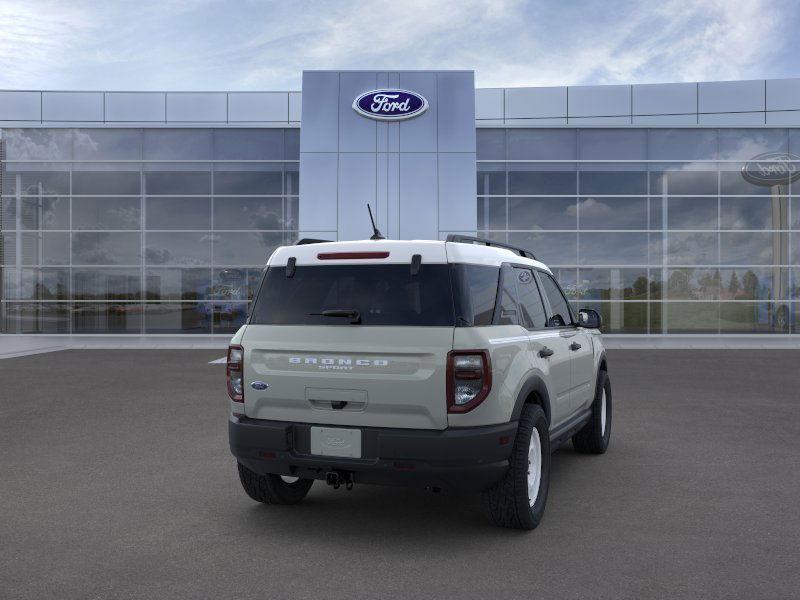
672, 209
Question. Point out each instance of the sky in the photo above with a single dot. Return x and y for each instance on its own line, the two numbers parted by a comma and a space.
264, 45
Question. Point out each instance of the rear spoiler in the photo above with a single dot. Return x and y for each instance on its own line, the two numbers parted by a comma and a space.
416, 260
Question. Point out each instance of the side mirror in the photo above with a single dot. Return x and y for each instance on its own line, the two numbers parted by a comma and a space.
589, 318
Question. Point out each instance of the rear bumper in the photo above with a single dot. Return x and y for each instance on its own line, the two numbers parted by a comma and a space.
469, 458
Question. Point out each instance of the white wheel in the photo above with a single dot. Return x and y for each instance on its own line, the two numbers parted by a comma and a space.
289, 479
534, 466
603, 414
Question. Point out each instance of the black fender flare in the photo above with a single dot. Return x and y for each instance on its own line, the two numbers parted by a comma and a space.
602, 365
534, 384
602, 361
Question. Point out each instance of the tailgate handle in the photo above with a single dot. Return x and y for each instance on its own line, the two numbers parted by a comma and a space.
333, 399
337, 405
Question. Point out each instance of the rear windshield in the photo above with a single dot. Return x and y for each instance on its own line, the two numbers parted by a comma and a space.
381, 294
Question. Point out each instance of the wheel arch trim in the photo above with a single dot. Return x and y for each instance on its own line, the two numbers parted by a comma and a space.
533, 385
602, 362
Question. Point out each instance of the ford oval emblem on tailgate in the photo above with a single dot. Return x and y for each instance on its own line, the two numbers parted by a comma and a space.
259, 385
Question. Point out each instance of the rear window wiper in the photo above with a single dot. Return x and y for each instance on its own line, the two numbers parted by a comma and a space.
353, 315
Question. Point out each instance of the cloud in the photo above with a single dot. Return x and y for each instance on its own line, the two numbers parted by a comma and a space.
672, 40
389, 35
206, 44
591, 208
32, 35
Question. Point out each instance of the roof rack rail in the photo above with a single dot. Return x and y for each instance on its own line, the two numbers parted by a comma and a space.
468, 239
305, 241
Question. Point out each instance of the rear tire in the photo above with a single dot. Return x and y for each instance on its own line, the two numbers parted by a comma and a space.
518, 500
595, 435
273, 489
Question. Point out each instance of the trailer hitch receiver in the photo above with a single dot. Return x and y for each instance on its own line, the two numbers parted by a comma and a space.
339, 478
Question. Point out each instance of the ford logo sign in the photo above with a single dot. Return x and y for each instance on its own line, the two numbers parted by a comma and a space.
772, 168
259, 385
390, 105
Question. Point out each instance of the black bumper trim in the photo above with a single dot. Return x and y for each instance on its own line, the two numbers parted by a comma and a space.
468, 458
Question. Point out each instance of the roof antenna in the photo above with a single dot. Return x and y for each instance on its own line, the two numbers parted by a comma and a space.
376, 235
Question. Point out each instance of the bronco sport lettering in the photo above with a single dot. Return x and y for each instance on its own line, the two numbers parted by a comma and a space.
360, 362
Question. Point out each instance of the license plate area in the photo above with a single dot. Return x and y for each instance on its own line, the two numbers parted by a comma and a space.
334, 441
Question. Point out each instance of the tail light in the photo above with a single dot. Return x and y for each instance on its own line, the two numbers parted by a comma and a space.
469, 379
235, 373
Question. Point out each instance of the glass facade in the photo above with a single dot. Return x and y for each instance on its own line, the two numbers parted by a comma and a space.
656, 229
159, 230
141, 230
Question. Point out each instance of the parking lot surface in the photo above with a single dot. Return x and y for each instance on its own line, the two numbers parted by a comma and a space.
116, 482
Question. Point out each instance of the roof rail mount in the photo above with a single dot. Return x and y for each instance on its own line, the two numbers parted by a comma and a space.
468, 239
305, 241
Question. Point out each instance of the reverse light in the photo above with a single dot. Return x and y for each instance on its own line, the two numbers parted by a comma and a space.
235, 373
469, 379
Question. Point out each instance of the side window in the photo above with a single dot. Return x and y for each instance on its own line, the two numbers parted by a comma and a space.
530, 300
558, 304
474, 293
508, 298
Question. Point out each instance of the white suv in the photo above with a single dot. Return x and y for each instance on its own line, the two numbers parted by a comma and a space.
447, 365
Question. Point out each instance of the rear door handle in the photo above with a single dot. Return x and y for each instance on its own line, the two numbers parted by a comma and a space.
545, 352
574, 346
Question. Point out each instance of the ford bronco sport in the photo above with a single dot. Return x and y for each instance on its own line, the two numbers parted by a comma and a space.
453, 364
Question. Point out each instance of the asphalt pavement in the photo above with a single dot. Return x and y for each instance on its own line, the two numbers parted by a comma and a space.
116, 482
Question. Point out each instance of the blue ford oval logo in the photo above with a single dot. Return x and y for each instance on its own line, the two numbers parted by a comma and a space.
390, 105
259, 385
772, 168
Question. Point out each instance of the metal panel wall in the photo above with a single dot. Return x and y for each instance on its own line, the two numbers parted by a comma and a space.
751, 103
731, 96
136, 107
197, 107
20, 106
357, 181
257, 106
153, 109
536, 103
489, 103
456, 108
664, 99
420, 134
417, 174
783, 94
72, 106
599, 101
318, 183
668, 104
356, 134
295, 102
